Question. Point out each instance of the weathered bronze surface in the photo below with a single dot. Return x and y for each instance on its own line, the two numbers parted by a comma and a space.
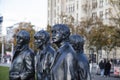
22, 66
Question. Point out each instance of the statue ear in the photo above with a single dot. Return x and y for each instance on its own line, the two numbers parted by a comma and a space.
63, 36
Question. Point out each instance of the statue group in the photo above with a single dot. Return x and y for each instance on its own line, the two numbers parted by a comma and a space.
68, 62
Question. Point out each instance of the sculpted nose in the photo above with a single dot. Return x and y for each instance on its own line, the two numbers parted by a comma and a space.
17, 38
35, 41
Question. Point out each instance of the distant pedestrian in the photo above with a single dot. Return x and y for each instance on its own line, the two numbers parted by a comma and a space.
101, 66
107, 68
90, 65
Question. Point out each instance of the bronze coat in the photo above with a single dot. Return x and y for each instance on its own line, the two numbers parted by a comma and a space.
64, 67
22, 66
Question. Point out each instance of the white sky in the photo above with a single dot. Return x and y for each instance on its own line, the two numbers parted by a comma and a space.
14, 11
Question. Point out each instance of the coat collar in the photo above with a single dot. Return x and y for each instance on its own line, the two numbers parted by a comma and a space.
18, 51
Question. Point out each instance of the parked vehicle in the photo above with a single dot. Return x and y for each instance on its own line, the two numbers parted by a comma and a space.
117, 71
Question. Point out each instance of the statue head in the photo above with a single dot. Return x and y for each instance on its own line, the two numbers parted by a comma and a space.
77, 42
41, 38
60, 32
22, 38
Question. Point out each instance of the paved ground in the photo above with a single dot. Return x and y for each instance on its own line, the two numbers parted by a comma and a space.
93, 74
98, 77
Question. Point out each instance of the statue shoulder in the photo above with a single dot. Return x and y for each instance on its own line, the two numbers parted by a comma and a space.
50, 49
29, 51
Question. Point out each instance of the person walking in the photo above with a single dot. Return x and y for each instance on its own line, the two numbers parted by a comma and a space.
101, 66
107, 68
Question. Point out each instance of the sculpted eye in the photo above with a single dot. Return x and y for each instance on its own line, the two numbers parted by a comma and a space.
39, 40
21, 40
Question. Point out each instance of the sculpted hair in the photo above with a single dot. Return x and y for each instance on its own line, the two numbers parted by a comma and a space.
42, 34
24, 35
77, 40
64, 29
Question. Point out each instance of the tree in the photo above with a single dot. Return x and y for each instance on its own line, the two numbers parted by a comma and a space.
95, 32
116, 37
69, 20
49, 29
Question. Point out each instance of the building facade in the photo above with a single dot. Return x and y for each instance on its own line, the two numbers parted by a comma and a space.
59, 8
82, 10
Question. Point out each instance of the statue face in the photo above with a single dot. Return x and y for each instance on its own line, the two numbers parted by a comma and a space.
60, 32
20, 40
39, 42
41, 38
56, 36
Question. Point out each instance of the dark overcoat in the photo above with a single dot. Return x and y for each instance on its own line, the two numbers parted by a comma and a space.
64, 67
22, 66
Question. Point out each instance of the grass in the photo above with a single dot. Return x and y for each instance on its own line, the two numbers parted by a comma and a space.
4, 71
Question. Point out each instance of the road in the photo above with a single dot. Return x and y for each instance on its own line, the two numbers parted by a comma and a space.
98, 77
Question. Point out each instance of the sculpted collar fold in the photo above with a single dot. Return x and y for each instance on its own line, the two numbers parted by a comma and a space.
22, 48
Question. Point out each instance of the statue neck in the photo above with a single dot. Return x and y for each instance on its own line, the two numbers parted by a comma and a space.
20, 48
44, 46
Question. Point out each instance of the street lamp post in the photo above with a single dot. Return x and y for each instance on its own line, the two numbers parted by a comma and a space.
12, 48
2, 57
1, 20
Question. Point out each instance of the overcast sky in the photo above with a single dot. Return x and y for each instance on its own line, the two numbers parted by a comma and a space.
14, 11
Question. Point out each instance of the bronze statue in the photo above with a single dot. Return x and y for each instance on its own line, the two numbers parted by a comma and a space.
64, 67
22, 66
83, 65
45, 55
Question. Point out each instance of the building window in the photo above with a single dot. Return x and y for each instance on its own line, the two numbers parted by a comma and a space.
77, 18
94, 4
69, 9
72, 8
94, 15
107, 12
54, 13
101, 14
48, 14
101, 3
